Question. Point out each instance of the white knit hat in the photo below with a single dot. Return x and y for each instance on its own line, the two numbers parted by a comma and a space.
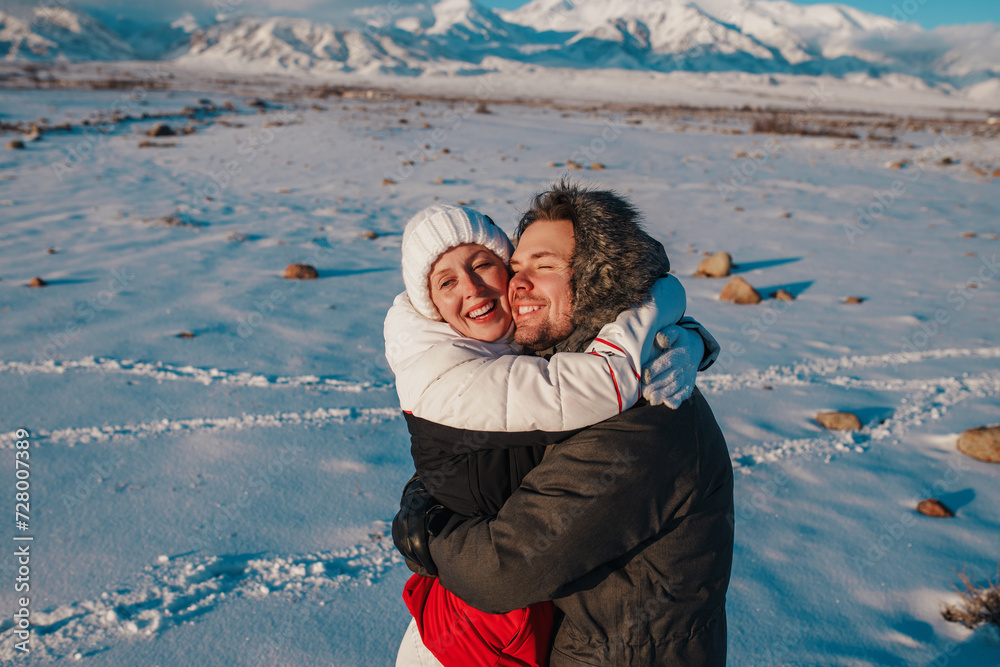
436, 230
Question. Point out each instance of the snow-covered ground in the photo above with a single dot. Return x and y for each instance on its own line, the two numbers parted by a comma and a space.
224, 499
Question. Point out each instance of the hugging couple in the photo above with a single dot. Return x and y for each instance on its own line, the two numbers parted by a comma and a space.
573, 496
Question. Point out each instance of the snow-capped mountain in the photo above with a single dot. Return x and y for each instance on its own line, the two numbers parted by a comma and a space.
666, 36
41, 33
795, 31
467, 20
461, 36
768, 36
447, 36
298, 44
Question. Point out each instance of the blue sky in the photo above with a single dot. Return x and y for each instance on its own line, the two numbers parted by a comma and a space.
928, 13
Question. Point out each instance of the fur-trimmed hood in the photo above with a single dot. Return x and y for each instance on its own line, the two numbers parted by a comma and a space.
615, 262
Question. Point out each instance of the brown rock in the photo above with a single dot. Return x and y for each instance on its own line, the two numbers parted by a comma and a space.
981, 443
37, 282
50, 250
15, 144
718, 265
969, 235
784, 295
839, 421
185, 334
934, 507
738, 290
161, 130
388, 181
596, 166
854, 299
301, 272
369, 234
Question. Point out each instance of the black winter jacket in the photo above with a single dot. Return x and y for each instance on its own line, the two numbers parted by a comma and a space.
474, 472
627, 526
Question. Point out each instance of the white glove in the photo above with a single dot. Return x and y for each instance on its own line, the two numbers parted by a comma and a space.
668, 379
712, 347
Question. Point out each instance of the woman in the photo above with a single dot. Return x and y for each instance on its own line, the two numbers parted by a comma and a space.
449, 340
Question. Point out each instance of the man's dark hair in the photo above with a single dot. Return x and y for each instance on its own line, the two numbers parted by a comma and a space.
615, 262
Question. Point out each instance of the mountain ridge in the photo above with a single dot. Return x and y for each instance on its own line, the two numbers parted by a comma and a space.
464, 37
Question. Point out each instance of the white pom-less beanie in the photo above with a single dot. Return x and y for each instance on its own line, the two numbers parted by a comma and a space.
436, 230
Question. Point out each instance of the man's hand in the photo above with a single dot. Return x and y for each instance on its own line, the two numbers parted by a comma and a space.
420, 516
669, 378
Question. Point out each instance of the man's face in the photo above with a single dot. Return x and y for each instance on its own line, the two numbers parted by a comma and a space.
540, 292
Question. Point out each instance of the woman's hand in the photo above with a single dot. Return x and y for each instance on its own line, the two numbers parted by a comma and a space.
420, 516
669, 378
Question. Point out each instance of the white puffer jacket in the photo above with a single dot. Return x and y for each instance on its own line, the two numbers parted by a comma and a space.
446, 378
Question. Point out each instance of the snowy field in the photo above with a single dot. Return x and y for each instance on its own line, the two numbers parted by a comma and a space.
224, 499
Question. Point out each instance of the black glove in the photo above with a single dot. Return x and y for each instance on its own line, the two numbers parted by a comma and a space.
420, 516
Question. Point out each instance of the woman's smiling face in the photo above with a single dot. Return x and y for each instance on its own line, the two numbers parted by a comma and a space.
468, 286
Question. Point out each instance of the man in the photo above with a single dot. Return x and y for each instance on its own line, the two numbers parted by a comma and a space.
626, 525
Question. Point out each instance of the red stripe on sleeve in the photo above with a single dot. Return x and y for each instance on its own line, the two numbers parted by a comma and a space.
611, 345
617, 391
624, 353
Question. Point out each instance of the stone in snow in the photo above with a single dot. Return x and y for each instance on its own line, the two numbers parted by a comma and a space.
718, 265
981, 443
839, 421
161, 130
934, 507
738, 290
301, 272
